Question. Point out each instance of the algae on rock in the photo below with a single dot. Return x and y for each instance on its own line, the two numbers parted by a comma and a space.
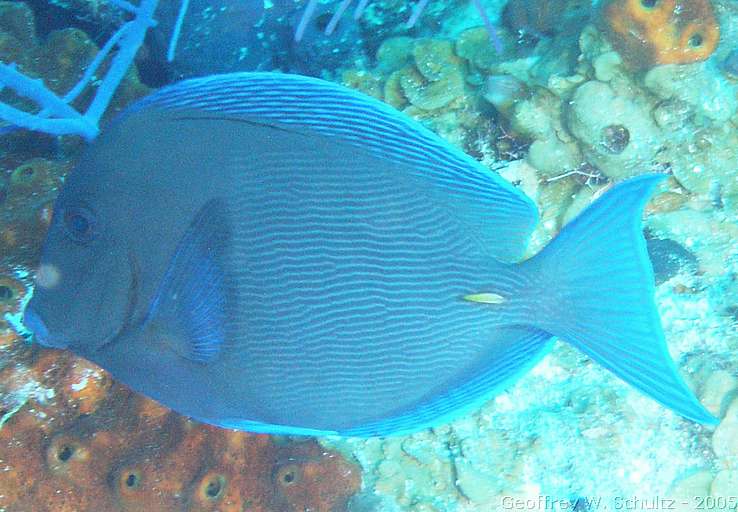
616, 131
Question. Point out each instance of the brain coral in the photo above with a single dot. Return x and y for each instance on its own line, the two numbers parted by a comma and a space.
652, 32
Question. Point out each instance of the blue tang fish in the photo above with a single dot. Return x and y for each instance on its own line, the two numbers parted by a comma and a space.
276, 253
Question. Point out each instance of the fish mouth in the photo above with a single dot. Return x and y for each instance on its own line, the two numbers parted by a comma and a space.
35, 323
131, 303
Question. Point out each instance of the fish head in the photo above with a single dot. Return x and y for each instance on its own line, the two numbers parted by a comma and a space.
115, 226
86, 280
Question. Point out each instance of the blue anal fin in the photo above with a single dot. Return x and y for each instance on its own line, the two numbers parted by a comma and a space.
513, 352
189, 307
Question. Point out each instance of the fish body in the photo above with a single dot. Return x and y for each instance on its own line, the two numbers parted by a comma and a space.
277, 253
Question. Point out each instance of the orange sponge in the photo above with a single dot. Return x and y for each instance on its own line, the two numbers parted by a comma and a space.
647, 33
78, 442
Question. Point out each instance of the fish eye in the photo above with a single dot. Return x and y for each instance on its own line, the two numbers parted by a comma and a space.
79, 224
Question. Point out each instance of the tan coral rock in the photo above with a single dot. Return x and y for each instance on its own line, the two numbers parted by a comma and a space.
717, 390
689, 488
394, 53
725, 437
615, 129
725, 485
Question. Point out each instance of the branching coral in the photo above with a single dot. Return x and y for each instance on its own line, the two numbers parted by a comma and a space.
56, 116
362, 5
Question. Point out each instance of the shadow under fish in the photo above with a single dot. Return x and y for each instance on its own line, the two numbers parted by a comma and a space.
277, 253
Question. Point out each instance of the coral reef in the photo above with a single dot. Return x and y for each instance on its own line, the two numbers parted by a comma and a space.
554, 149
426, 79
574, 108
473, 45
537, 18
504, 91
652, 32
99, 12
676, 117
435, 79
71, 439
68, 61
618, 111
623, 141
25, 207
81, 443
709, 94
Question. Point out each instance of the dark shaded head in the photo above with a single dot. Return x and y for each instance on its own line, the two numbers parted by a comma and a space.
85, 282
116, 224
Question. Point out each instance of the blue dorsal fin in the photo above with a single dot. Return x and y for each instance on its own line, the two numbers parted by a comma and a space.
501, 216
189, 307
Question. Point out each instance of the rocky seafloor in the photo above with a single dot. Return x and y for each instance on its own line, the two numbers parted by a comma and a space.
572, 104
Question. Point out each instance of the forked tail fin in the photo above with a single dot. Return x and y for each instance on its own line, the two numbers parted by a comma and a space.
598, 295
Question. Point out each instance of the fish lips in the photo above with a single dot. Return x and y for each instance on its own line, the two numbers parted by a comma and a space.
33, 321
53, 323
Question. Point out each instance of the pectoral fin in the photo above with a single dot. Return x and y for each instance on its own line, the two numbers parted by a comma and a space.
188, 312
